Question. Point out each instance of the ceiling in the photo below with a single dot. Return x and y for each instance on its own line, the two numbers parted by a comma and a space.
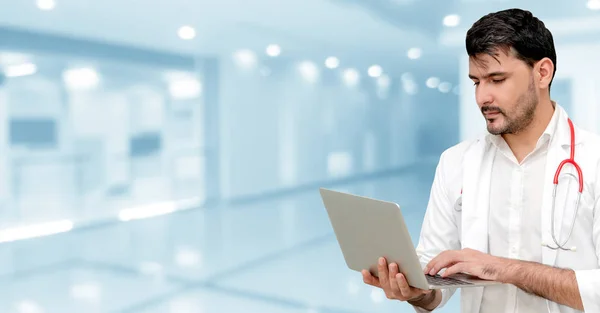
353, 29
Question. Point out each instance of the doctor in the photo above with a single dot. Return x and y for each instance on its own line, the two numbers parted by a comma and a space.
493, 211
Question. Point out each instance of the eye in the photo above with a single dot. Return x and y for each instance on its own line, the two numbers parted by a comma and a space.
475, 83
497, 81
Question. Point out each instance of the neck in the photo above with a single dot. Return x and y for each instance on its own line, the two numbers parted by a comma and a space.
523, 142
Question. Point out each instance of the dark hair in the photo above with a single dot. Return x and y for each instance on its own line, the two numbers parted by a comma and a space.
513, 30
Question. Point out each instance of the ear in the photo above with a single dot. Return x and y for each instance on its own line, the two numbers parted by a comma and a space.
544, 71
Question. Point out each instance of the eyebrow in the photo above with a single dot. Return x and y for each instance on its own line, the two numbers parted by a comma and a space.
488, 75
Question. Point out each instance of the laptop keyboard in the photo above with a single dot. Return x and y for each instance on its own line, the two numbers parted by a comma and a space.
444, 281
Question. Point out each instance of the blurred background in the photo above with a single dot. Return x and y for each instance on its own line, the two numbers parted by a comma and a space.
165, 156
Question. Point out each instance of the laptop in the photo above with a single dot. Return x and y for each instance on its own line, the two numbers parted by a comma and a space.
367, 229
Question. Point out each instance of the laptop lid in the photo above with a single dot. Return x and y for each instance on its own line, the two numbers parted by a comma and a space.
367, 229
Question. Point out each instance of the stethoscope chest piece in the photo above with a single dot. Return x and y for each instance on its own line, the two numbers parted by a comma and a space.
458, 204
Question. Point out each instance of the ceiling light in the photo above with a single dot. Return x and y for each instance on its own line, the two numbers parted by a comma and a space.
375, 70
456, 90
20, 70
309, 71
332, 62
445, 87
407, 76
593, 4
13, 58
46, 5
432, 82
186, 32
451, 20
383, 81
351, 77
81, 78
410, 87
408, 84
273, 50
86, 291
185, 88
414, 53
245, 58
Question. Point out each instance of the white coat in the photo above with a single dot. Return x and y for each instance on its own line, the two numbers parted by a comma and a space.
467, 166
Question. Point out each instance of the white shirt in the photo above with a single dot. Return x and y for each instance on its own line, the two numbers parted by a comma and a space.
515, 218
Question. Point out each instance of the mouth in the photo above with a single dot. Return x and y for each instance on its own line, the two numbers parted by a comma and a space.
491, 114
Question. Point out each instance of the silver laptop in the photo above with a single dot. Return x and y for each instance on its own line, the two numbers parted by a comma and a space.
367, 229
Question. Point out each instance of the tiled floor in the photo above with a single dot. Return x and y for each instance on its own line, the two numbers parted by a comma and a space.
276, 255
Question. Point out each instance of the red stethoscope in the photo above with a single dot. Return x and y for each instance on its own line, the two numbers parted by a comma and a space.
570, 160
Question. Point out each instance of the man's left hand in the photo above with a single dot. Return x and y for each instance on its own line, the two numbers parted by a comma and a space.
470, 262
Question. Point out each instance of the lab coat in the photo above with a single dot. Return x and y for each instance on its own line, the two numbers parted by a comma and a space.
468, 165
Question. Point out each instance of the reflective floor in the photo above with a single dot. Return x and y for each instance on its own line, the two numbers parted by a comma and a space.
271, 255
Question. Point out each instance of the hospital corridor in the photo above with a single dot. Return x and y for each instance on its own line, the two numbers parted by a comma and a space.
165, 156
270, 255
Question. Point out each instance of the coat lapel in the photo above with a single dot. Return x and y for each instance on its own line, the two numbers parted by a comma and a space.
477, 168
476, 185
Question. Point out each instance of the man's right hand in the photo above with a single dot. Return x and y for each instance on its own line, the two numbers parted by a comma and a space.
395, 286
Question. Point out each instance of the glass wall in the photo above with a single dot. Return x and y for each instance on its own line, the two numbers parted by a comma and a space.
85, 137
288, 122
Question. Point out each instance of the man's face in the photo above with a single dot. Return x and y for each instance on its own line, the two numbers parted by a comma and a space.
505, 92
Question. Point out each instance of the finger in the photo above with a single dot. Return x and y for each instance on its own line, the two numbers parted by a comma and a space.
370, 279
443, 261
443, 264
407, 291
434, 261
403, 287
459, 267
383, 273
393, 281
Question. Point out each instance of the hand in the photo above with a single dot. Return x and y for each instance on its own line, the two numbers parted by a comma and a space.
393, 283
470, 262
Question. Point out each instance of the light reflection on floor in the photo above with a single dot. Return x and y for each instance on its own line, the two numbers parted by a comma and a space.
273, 255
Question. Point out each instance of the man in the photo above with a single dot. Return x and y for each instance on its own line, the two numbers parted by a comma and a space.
505, 180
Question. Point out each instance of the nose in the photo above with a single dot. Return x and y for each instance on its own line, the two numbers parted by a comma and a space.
483, 95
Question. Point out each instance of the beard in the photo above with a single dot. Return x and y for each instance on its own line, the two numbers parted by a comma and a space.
520, 118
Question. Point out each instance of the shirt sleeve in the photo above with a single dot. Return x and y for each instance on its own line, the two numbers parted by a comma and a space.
440, 230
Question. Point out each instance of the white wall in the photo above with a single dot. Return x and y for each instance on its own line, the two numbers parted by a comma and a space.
580, 64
